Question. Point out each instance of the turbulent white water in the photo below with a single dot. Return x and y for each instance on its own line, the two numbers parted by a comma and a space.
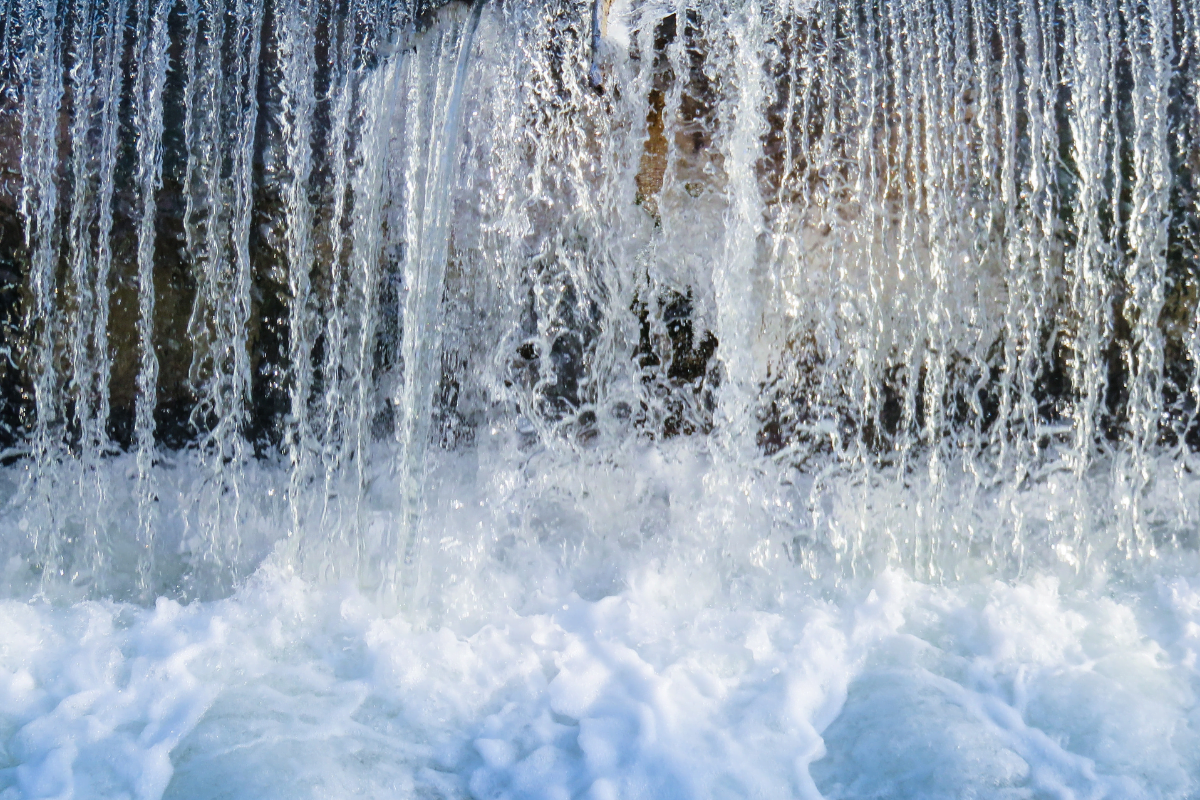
635, 399
888, 688
631, 630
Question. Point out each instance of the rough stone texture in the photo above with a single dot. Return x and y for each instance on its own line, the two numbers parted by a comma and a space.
268, 335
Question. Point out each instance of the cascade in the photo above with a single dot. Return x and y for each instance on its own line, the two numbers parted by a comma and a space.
939, 248
509, 304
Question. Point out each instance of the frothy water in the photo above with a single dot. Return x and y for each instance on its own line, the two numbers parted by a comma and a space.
898, 689
639, 398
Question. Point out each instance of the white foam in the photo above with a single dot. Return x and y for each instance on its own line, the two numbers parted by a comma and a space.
895, 689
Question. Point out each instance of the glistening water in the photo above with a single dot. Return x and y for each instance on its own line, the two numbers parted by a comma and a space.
631, 399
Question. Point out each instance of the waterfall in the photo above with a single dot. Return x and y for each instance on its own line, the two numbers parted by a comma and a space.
902, 271
599, 399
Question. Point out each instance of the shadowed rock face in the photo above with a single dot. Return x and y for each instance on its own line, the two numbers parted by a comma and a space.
789, 393
682, 125
14, 388
343, 52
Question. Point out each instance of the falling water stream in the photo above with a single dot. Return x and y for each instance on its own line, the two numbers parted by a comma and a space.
638, 398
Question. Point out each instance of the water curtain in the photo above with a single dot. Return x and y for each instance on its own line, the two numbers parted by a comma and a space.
915, 264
